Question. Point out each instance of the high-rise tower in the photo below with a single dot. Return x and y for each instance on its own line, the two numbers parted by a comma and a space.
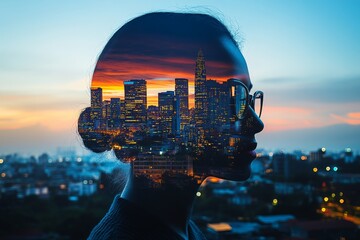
182, 96
201, 104
135, 101
96, 97
166, 110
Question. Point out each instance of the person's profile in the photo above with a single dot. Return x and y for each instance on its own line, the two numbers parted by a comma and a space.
171, 95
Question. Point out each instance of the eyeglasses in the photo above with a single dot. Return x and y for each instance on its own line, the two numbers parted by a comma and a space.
241, 99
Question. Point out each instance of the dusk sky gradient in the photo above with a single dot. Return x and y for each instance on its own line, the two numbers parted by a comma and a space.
304, 55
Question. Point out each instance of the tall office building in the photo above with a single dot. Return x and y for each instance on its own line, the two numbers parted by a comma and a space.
115, 108
166, 110
114, 119
182, 95
237, 99
224, 104
201, 106
96, 107
96, 97
135, 101
213, 94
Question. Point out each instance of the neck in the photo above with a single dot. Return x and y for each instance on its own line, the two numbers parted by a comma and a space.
172, 204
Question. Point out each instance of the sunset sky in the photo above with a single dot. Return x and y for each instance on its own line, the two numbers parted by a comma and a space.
304, 55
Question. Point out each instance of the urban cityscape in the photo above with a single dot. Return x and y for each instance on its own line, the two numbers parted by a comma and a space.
90, 104
289, 195
170, 138
298, 195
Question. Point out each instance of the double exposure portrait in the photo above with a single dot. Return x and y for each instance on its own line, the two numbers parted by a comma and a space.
171, 95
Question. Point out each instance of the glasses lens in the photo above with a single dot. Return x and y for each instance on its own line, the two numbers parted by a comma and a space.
257, 105
241, 96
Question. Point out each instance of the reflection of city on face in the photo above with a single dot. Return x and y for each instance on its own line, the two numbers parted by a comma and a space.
169, 139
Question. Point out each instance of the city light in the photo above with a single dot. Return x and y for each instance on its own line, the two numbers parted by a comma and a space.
3, 174
327, 168
198, 194
323, 149
341, 194
341, 201
333, 195
326, 199
275, 202
323, 209
335, 169
303, 158
315, 169
347, 149
1, 161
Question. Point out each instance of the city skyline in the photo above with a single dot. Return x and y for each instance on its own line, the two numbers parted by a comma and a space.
297, 53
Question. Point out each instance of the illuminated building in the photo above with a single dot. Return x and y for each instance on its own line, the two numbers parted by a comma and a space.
96, 97
135, 101
234, 92
105, 114
201, 105
154, 166
122, 110
114, 119
96, 107
153, 120
166, 110
182, 94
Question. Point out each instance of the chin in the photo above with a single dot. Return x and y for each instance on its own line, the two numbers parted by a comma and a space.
234, 174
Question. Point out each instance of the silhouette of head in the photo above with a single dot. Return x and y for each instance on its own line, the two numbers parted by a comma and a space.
170, 95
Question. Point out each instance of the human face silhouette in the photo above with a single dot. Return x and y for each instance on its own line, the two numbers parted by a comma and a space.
171, 124
242, 141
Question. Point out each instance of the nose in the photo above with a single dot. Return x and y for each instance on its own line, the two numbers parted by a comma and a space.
250, 124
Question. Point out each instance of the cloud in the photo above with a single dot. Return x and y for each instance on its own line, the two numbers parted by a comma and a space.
352, 118
312, 90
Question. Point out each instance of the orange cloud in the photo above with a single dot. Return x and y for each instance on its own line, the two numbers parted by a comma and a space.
352, 118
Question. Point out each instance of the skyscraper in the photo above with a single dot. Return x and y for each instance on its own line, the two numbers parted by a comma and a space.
182, 95
96, 97
114, 119
213, 91
96, 107
135, 101
166, 110
201, 106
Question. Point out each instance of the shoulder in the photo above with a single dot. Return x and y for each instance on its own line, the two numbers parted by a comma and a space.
194, 232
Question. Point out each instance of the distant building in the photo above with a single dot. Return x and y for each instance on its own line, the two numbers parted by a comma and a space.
154, 166
201, 99
153, 120
115, 113
166, 110
135, 101
284, 165
218, 105
96, 97
317, 155
96, 108
182, 96
233, 230
324, 229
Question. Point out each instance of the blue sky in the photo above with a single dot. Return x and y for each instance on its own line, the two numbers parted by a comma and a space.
305, 56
